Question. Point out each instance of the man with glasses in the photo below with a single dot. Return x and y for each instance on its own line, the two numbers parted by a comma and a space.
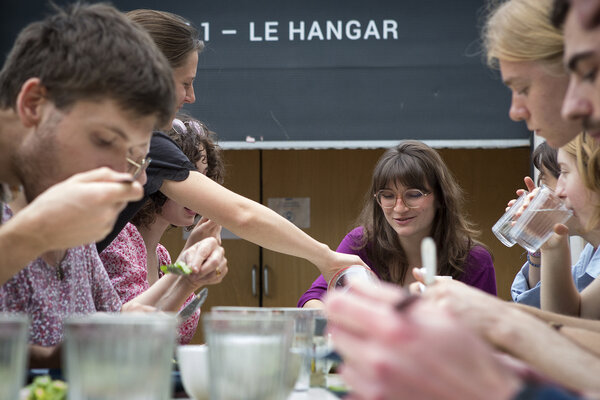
81, 90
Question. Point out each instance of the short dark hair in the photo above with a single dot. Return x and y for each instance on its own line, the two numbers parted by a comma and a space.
545, 156
91, 52
558, 15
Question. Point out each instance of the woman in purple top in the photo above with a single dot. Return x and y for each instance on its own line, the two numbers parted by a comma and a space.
413, 195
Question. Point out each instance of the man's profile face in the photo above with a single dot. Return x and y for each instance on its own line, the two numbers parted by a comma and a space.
582, 59
86, 136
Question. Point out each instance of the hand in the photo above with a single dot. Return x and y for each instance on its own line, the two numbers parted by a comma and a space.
558, 240
204, 228
420, 353
208, 263
79, 210
529, 183
339, 261
475, 309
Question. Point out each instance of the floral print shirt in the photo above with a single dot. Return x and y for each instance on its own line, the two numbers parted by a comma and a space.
49, 294
127, 265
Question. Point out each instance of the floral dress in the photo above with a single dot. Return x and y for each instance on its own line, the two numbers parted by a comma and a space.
49, 294
127, 266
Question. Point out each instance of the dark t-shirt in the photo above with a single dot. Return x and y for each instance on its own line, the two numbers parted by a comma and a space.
168, 163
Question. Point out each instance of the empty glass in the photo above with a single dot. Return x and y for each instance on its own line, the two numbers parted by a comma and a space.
248, 355
120, 356
13, 354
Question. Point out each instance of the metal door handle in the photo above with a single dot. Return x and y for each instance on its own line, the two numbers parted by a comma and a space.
266, 280
254, 281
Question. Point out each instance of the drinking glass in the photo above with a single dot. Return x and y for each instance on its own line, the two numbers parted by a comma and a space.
342, 279
304, 326
120, 356
502, 228
13, 353
536, 224
248, 355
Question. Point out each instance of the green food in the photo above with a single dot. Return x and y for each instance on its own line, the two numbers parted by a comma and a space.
44, 388
179, 268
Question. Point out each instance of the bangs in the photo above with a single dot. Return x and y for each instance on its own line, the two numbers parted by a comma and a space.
406, 170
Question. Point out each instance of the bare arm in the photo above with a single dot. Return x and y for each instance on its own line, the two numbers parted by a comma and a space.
558, 292
79, 210
520, 334
170, 292
254, 222
314, 303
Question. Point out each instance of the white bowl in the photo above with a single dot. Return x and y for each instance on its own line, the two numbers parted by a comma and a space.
193, 366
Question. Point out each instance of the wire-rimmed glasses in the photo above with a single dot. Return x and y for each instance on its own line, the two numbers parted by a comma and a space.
136, 168
411, 198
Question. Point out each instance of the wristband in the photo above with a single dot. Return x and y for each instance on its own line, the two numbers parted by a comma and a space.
531, 263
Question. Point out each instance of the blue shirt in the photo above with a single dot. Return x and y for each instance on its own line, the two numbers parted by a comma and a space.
584, 272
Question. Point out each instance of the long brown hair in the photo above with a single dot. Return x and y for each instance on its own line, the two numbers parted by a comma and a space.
413, 164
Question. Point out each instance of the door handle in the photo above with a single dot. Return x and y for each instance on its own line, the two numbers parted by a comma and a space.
254, 293
266, 280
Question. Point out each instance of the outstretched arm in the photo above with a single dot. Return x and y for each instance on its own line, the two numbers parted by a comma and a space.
254, 222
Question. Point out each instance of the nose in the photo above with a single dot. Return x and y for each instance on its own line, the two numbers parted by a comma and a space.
190, 96
560, 188
518, 111
575, 104
143, 178
399, 205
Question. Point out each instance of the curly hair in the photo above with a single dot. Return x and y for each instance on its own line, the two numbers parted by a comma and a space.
413, 164
197, 143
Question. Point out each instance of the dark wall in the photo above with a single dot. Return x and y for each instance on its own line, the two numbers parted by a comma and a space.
427, 80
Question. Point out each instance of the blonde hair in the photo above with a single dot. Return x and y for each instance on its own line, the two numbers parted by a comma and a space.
520, 30
586, 151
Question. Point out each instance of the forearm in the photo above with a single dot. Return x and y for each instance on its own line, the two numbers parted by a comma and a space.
544, 348
247, 219
314, 303
167, 294
554, 318
533, 275
558, 292
19, 245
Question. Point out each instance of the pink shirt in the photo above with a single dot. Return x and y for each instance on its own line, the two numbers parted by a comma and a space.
126, 263
49, 294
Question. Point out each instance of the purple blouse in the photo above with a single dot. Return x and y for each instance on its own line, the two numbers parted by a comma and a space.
479, 268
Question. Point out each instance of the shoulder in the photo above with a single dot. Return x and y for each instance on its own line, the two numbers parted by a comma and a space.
478, 255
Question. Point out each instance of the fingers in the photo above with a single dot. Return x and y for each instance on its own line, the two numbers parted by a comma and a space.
561, 229
195, 255
529, 183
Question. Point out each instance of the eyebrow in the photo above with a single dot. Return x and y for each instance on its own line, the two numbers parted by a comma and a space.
512, 80
116, 130
576, 59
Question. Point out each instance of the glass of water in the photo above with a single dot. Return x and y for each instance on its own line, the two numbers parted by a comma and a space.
120, 356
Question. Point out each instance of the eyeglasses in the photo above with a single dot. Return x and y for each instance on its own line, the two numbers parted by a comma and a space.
411, 198
188, 127
136, 168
